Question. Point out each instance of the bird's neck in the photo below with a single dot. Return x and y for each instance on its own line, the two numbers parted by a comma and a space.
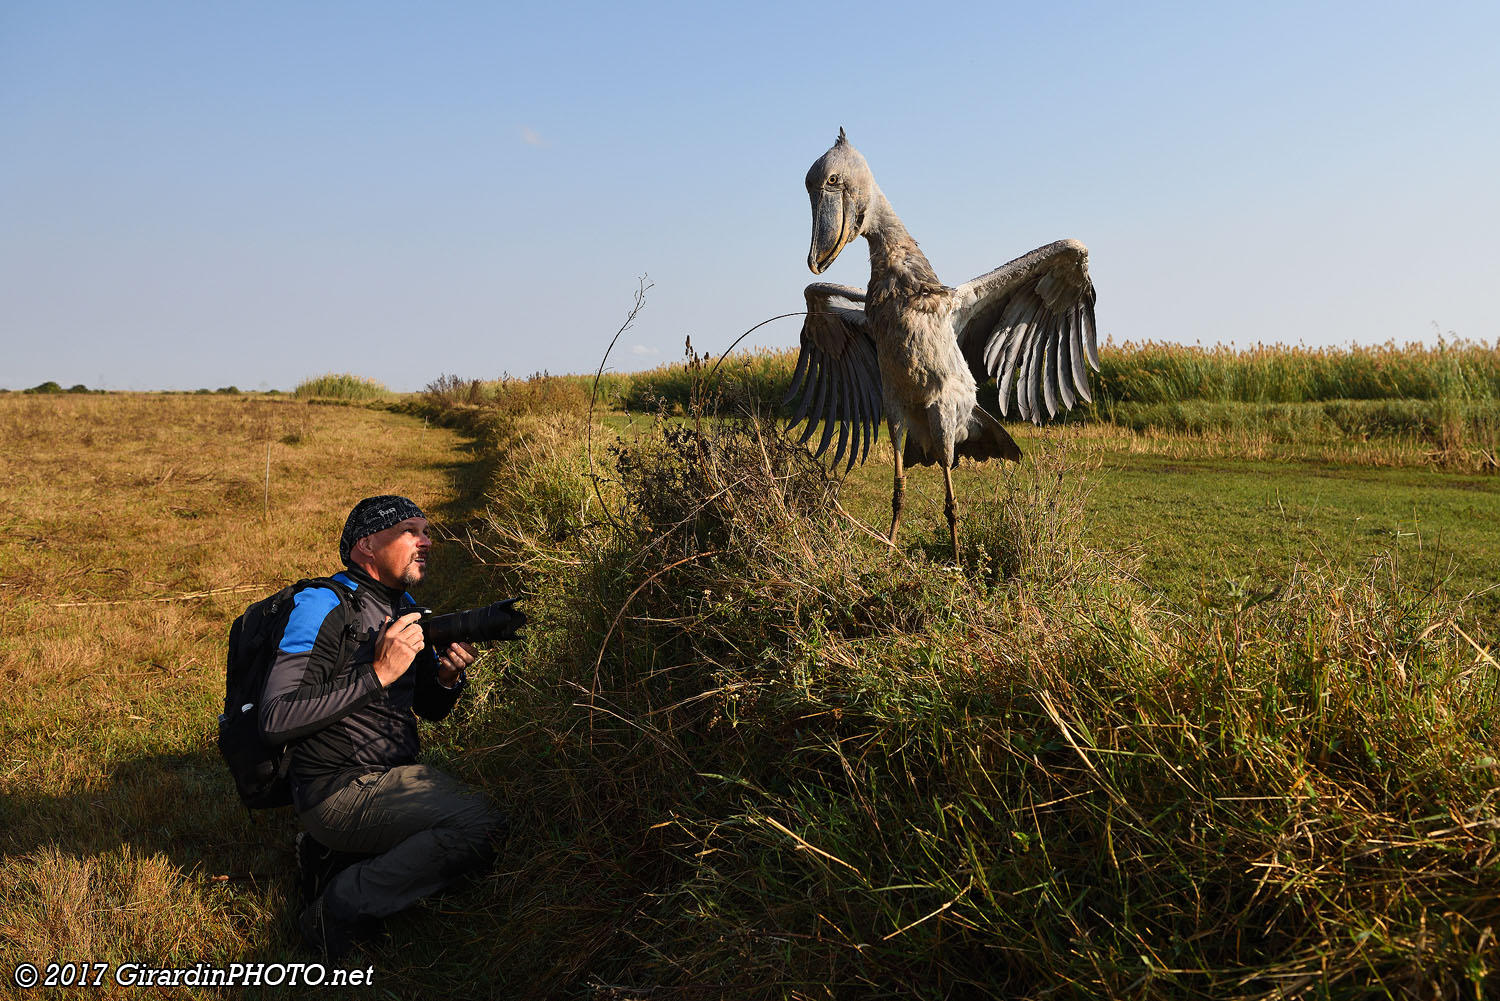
895, 258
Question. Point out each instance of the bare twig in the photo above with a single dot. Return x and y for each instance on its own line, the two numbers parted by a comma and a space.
640, 300
746, 334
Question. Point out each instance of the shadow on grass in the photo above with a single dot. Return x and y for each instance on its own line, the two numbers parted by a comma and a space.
182, 806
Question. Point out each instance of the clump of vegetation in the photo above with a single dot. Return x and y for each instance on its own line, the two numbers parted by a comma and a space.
776, 758
340, 386
448, 395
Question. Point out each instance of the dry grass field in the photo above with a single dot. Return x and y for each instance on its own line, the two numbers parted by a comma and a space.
135, 527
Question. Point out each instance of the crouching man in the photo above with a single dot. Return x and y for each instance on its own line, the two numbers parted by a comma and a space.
342, 696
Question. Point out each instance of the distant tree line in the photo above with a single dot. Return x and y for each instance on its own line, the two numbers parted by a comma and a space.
53, 387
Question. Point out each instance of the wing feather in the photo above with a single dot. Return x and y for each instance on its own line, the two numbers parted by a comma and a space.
1091, 341
874, 403
845, 387
797, 376
1080, 359
1065, 362
1035, 344
1007, 372
830, 410
1026, 332
1049, 378
817, 393
1015, 310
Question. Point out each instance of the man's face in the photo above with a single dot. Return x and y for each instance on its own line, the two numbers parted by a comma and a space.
398, 555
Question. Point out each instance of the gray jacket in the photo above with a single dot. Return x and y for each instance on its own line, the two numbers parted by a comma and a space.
332, 710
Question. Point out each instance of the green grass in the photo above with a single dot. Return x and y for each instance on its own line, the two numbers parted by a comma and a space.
1198, 523
1427, 425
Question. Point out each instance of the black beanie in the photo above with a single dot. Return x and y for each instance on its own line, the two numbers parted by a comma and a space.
374, 514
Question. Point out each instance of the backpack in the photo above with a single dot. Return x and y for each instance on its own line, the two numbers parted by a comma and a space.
260, 769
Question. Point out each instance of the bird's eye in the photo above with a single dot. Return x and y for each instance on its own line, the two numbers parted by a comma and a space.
833, 180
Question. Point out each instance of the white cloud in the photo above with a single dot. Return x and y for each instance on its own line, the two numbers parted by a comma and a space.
530, 137
641, 349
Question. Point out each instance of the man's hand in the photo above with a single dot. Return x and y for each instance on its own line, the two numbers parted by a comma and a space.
452, 661
397, 647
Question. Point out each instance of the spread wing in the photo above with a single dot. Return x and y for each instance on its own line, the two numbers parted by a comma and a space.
1030, 325
838, 374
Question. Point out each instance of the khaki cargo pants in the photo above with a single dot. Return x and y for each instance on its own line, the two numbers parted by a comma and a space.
424, 827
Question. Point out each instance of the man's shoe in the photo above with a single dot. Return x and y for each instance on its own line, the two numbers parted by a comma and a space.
326, 933
317, 864
310, 868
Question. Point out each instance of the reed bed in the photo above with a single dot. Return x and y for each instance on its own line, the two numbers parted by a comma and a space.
1436, 404
1150, 372
1155, 372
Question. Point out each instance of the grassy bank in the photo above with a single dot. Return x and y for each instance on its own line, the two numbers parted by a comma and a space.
777, 760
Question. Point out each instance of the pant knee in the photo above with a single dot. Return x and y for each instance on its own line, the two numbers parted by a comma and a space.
476, 836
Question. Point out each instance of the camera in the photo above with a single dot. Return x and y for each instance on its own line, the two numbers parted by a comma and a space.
497, 621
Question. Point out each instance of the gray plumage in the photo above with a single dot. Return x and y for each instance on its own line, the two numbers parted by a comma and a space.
912, 350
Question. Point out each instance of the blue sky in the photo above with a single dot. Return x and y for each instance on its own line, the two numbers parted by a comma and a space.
199, 195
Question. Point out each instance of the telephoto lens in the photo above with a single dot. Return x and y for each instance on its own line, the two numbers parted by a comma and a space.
498, 621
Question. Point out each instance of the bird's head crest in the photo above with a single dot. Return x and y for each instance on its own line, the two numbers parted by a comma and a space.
843, 140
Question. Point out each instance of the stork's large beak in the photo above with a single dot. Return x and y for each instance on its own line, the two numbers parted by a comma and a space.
831, 230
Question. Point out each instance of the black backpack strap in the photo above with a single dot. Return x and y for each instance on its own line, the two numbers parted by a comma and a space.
348, 605
349, 602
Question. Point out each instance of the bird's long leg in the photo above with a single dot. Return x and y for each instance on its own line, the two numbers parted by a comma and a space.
898, 491
951, 508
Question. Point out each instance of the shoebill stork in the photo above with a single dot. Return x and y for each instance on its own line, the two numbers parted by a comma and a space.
913, 350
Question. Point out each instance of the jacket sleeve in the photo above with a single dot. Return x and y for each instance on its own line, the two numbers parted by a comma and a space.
307, 689
431, 700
